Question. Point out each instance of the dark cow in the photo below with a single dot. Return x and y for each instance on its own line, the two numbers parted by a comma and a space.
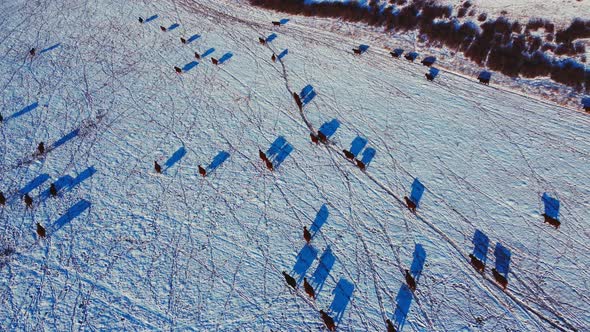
262, 155
411, 205
356, 51
298, 100
322, 137
328, 321
390, 327
314, 138
2, 198
262, 41
268, 164
276, 23
273, 58
41, 148
290, 280
178, 70
41, 230
140, 20
215, 61
485, 81
182, 40
348, 154
500, 278
361, 165
429, 76
552, 221
308, 289
157, 167
477, 264
1, 118
197, 56
202, 171
28, 201
410, 281
163, 28
32, 51
53, 190
306, 234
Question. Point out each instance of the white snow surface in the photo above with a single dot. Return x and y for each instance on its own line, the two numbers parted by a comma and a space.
177, 251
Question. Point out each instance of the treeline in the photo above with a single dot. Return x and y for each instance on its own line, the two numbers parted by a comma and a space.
501, 45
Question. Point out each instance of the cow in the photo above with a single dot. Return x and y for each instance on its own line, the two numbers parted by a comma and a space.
361, 165
269, 165
1, 118
314, 138
306, 234
197, 56
477, 264
273, 58
202, 171
290, 280
178, 70
41, 230
140, 19
348, 154
41, 148
551, 221
28, 201
262, 41
308, 289
276, 23
411, 205
328, 321
157, 167
322, 137
163, 28
356, 51
500, 278
32, 51
53, 190
410, 281
390, 326
2, 199
429, 76
262, 155
298, 100
182, 40
215, 61
485, 81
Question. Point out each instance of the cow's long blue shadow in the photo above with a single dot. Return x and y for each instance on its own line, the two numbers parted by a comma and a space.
219, 159
305, 258
402, 307
323, 270
320, 219
72, 213
23, 111
481, 244
358, 143
176, 157
342, 296
66, 138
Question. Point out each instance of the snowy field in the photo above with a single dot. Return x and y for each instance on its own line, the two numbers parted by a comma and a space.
130, 249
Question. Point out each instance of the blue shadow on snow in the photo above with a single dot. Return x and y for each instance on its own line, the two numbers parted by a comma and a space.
418, 261
271, 37
82, 177
305, 258
276, 146
208, 52
342, 296
23, 111
417, 191
481, 244
283, 53
363, 48
502, 259
320, 219
193, 38
368, 155
50, 48
402, 307
357, 145
189, 66
61, 183
226, 57
66, 138
219, 159
551, 206
72, 213
36, 182
282, 154
323, 270
176, 157
173, 26
151, 18
329, 128
284, 21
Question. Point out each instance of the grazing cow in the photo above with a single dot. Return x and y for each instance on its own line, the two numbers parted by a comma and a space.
2, 198
182, 40
314, 138
429, 76
269, 165
308, 289
356, 51
276, 23
551, 221
178, 70
262, 41
306, 234
273, 58
328, 321
157, 167
41, 230
348, 154
214, 61
163, 28
202, 171
410, 281
500, 278
197, 56
411, 205
290, 280
262, 155
322, 137
41, 148
298, 100
390, 327
361, 165
477, 264
28, 201
53, 190
32, 51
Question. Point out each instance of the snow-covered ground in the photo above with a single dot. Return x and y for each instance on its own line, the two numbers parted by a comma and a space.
129, 249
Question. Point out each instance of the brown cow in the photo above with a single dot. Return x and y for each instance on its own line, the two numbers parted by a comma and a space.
306, 234
290, 280
269, 164
28, 201
328, 321
41, 148
182, 40
411, 205
214, 61
314, 138
178, 70
2, 198
429, 76
262, 41
297, 100
163, 28
348, 154
308, 289
157, 167
53, 190
262, 155
552, 221
202, 171
390, 327
273, 58
322, 137
41, 230
361, 165
477, 264
500, 278
276, 23
410, 281
356, 51
197, 56
32, 51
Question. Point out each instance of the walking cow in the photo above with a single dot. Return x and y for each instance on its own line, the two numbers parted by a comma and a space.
157, 167
306, 234
28, 201
290, 280
41, 230
328, 321
2, 198
308, 289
